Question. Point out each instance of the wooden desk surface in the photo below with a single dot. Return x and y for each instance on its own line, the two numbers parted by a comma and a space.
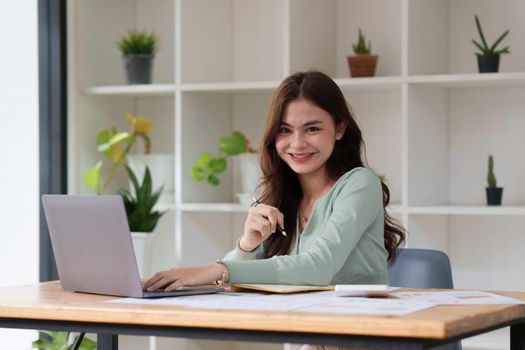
50, 302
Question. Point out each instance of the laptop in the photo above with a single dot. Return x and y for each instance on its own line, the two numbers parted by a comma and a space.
93, 247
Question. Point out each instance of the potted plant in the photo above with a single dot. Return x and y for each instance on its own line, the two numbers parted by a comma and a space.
207, 167
363, 63
62, 340
116, 146
142, 216
488, 56
494, 193
138, 50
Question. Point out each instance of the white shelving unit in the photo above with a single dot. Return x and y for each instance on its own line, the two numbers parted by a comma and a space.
429, 119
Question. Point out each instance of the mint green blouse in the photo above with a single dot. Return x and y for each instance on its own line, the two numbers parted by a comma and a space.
342, 243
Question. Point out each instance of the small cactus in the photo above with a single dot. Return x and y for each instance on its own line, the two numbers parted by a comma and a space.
491, 178
360, 48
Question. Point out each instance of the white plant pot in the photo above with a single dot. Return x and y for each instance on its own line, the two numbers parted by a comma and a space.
162, 169
250, 177
143, 245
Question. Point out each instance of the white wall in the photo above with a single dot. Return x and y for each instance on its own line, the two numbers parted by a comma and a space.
18, 153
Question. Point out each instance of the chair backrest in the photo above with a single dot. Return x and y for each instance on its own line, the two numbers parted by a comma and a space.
423, 268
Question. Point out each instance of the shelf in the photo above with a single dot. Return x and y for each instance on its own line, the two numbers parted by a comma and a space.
370, 83
466, 210
133, 90
215, 207
243, 208
470, 80
250, 86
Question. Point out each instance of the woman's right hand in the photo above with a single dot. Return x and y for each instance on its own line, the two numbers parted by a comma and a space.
261, 222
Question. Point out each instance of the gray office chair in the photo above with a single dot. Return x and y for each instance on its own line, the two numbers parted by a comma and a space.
423, 268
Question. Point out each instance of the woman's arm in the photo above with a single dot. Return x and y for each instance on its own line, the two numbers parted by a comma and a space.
354, 210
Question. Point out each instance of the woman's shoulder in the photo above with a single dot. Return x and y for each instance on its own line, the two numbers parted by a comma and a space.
360, 175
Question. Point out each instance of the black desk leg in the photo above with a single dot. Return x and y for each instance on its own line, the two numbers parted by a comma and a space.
107, 341
517, 337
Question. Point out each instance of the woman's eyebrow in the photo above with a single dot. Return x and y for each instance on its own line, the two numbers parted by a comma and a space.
312, 122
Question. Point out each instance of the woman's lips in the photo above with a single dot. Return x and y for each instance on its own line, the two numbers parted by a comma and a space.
301, 157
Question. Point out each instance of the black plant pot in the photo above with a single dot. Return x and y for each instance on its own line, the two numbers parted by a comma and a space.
488, 63
138, 68
494, 195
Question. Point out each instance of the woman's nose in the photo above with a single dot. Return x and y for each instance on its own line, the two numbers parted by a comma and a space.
298, 139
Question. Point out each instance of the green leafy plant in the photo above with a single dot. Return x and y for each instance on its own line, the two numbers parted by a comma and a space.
491, 178
484, 48
61, 341
115, 146
361, 48
138, 42
207, 167
139, 205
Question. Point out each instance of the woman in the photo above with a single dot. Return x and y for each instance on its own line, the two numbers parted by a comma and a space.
316, 187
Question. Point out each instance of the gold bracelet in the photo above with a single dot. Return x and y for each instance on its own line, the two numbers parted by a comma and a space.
223, 274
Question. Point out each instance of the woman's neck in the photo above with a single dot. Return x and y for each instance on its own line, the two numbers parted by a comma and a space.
314, 187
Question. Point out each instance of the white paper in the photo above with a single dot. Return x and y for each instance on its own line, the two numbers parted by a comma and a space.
370, 306
303, 302
456, 297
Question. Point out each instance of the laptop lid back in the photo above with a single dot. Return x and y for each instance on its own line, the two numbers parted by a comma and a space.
92, 244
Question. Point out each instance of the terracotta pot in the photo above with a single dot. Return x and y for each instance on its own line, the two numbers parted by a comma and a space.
362, 65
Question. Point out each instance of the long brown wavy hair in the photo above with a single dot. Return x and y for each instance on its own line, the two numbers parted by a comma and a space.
280, 184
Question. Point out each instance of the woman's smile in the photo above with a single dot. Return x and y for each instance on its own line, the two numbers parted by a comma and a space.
301, 157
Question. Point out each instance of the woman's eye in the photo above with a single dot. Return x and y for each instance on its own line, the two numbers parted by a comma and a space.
313, 129
284, 130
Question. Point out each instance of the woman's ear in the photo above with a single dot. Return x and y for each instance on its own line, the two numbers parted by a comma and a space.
340, 131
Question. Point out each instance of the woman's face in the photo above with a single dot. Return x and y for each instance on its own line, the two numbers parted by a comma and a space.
306, 137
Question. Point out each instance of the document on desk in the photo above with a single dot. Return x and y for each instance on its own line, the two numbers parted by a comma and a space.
456, 297
316, 302
278, 288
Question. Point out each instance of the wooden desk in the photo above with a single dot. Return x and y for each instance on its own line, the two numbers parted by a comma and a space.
46, 306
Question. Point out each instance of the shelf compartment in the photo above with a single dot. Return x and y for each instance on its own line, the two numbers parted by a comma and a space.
95, 113
99, 24
467, 210
215, 115
380, 124
477, 246
232, 40
450, 136
322, 33
440, 34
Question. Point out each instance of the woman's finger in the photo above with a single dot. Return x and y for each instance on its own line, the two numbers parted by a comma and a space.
158, 276
261, 225
271, 216
174, 286
161, 283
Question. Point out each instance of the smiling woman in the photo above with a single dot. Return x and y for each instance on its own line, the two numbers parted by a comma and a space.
317, 187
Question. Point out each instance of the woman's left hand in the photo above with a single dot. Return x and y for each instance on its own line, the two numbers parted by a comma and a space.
171, 279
